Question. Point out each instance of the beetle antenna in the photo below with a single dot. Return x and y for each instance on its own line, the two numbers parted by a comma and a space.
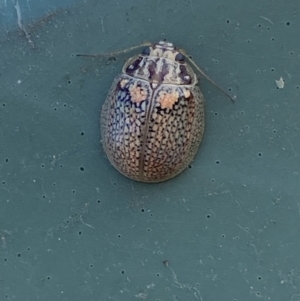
116, 52
207, 77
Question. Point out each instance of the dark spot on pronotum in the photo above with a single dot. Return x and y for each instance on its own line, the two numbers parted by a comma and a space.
146, 51
179, 57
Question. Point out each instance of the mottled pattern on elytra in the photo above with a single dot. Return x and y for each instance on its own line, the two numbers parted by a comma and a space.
146, 142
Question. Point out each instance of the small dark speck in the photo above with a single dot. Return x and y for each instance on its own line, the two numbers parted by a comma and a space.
82, 133
19, 255
217, 162
122, 272
259, 154
288, 23
208, 216
81, 168
166, 263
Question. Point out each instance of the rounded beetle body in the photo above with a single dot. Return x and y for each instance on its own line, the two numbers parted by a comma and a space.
152, 121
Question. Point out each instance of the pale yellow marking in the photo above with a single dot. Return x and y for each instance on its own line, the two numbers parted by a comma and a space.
167, 99
137, 94
123, 83
187, 93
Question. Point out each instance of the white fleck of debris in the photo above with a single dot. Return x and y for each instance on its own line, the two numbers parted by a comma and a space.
17, 7
19, 81
19, 21
267, 19
280, 83
141, 295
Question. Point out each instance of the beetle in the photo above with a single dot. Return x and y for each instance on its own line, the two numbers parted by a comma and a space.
152, 121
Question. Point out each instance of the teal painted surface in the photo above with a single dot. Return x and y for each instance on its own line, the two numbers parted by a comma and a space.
73, 228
